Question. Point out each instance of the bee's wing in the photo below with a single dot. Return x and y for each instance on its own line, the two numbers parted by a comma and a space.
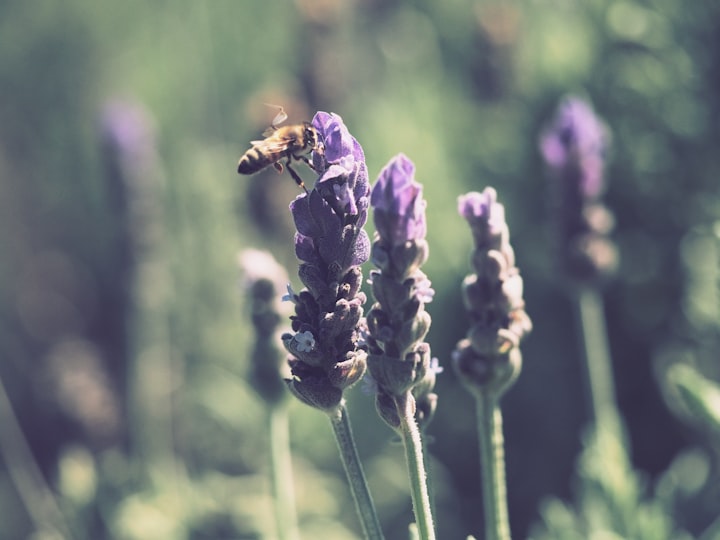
271, 146
280, 118
281, 115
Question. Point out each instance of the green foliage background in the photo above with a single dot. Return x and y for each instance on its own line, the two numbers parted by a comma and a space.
463, 88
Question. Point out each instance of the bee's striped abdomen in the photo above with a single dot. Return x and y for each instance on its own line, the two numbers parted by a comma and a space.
253, 160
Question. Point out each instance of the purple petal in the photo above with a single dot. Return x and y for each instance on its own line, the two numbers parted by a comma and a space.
336, 137
303, 218
333, 172
305, 248
361, 249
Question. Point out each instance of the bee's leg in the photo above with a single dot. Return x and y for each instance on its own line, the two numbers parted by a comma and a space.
307, 162
296, 177
278, 167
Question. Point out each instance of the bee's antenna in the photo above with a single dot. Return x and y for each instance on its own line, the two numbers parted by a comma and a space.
281, 115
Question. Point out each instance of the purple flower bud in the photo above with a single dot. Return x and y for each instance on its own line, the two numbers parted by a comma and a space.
486, 217
341, 163
399, 208
339, 144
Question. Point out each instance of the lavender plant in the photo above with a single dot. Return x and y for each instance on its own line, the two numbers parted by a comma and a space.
489, 360
574, 146
331, 345
398, 358
136, 178
326, 352
610, 499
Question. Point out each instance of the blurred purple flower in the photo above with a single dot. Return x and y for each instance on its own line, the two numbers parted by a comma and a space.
398, 205
574, 146
262, 280
577, 139
128, 131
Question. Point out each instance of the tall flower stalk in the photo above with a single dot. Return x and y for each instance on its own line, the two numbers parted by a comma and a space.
263, 278
398, 358
326, 353
136, 178
574, 146
489, 360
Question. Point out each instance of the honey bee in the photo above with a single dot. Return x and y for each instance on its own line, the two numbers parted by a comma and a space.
292, 142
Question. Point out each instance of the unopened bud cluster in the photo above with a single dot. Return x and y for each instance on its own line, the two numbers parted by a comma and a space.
489, 359
398, 358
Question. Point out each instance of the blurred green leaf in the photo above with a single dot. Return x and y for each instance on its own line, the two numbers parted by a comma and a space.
612, 501
698, 395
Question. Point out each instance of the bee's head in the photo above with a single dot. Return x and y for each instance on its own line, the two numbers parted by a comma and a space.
312, 137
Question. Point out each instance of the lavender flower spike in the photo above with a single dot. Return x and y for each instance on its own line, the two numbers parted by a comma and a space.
325, 352
489, 359
574, 146
398, 359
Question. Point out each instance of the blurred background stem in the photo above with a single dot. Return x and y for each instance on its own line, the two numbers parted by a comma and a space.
281, 471
355, 475
154, 374
598, 363
492, 467
36, 495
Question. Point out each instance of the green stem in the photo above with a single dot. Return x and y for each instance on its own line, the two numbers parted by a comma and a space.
356, 477
492, 466
281, 472
416, 468
598, 364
